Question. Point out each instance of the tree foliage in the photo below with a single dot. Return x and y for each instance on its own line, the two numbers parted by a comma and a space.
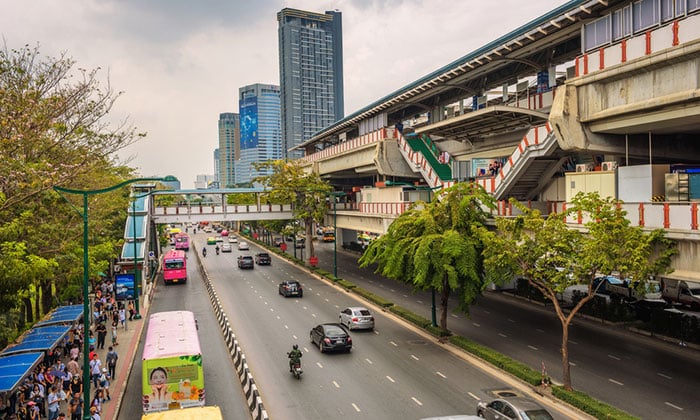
53, 131
437, 245
551, 255
289, 182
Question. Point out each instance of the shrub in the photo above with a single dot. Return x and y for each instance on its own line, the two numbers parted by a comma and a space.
410, 316
346, 284
372, 297
590, 405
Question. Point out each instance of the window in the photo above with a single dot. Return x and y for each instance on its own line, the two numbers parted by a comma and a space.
645, 13
621, 27
596, 33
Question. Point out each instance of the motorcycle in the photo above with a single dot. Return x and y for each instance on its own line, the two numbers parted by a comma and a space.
204, 252
217, 250
296, 369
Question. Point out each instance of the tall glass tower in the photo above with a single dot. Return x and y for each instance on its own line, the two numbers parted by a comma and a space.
311, 74
261, 136
229, 134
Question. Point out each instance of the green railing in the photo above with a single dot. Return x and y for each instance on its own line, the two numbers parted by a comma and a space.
425, 146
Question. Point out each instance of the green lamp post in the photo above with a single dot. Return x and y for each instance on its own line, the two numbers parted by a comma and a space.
86, 276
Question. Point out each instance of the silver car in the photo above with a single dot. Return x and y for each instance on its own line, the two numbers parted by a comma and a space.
357, 318
512, 408
243, 246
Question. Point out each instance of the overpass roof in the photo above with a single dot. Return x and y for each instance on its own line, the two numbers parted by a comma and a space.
546, 34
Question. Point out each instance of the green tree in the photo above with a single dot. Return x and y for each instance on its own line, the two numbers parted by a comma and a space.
551, 256
289, 182
436, 245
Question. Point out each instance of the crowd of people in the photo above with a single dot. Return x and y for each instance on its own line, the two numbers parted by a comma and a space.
55, 389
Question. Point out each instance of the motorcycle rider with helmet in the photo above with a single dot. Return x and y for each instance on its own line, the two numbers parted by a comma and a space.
204, 252
294, 357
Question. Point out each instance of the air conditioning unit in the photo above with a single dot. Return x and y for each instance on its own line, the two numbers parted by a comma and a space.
584, 167
608, 166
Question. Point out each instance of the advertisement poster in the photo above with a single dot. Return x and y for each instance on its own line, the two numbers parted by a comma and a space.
173, 383
249, 122
125, 286
480, 167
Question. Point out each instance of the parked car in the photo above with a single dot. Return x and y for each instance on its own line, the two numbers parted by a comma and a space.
245, 261
226, 247
512, 408
300, 243
290, 288
278, 241
331, 337
357, 318
263, 258
243, 246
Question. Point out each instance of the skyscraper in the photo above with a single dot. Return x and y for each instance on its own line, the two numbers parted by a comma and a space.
260, 133
311, 74
229, 135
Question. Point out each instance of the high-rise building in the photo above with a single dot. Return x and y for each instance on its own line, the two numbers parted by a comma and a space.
229, 135
311, 74
260, 133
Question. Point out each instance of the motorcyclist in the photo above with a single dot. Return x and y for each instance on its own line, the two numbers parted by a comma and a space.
204, 252
294, 357
217, 250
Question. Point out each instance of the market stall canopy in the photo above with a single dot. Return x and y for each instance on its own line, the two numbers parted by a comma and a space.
14, 368
63, 315
38, 339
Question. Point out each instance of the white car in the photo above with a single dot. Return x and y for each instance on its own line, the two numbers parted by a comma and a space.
232, 240
225, 247
356, 318
243, 246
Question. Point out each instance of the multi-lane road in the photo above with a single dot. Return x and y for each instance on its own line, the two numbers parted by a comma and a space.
396, 371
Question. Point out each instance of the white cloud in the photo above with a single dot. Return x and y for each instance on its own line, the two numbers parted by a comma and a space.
180, 64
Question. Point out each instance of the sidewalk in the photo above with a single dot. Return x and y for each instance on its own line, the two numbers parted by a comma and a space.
128, 343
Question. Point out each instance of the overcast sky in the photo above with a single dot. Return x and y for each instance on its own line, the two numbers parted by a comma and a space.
180, 63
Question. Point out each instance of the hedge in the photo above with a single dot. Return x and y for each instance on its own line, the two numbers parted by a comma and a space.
590, 405
372, 297
410, 316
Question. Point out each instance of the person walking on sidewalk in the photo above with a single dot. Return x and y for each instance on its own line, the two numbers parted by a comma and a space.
122, 317
101, 335
95, 369
111, 360
114, 334
131, 309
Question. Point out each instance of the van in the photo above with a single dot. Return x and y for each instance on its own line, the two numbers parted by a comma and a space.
681, 291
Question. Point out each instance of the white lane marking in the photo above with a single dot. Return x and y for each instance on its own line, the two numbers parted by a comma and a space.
532, 347
305, 308
511, 320
454, 316
476, 324
393, 290
674, 406
473, 396
664, 376
502, 335
294, 336
441, 375
313, 315
376, 331
278, 317
613, 357
368, 361
272, 309
393, 344
336, 384
539, 330
286, 327
616, 382
356, 407
416, 401
572, 364
327, 300
414, 357
319, 365
405, 296
487, 312
306, 349
420, 301
391, 379
573, 342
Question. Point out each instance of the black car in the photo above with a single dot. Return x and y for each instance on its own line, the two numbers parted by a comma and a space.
290, 288
331, 337
263, 258
245, 261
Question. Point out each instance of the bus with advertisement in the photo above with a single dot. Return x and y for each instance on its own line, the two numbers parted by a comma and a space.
182, 241
175, 267
172, 372
193, 413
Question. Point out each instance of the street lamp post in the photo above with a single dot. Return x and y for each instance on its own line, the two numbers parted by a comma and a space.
86, 276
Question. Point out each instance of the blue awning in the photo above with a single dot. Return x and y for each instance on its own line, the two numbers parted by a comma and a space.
38, 339
63, 315
15, 368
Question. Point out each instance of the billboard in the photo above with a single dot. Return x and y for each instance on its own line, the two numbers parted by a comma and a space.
125, 286
248, 108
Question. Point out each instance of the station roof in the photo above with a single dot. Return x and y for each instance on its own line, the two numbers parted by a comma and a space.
63, 315
38, 339
14, 368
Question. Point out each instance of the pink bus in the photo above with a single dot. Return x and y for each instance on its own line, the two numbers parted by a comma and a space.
172, 372
175, 267
182, 241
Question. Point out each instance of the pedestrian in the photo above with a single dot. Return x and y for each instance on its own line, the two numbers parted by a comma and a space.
114, 335
94, 414
111, 360
95, 369
122, 317
61, 416
73, 367
132, 310
53, 399
76, 386
91, 340
75, 407
101, 335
